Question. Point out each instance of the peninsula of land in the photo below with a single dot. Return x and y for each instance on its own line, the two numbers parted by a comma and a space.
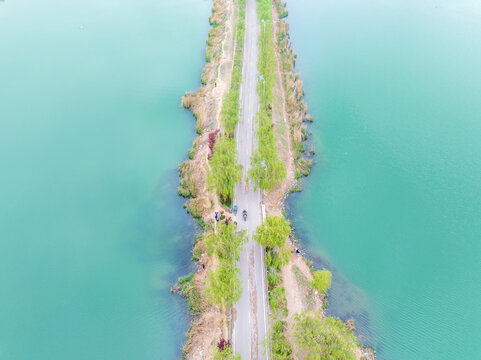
253, 295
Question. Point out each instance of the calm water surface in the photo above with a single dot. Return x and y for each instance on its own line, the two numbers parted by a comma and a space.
92, 234
394, 203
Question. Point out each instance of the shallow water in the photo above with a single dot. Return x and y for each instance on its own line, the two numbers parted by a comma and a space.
393, 203
92, 234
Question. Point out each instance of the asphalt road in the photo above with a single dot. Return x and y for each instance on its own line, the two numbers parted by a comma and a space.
250, 313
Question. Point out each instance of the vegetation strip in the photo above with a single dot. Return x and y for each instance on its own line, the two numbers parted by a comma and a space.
309, 334
220, 245
267, 170
224, 171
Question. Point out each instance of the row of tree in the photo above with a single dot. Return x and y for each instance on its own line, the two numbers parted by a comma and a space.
224, 172
223, 286
267, 170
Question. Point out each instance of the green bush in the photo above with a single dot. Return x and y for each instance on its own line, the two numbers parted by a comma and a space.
277, 298
273, 232
191, 293
323, 339
224, 172
322, 280
281, 349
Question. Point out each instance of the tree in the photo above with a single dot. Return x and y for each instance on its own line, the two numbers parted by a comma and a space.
273, 232
223, 286
322, 280
227, 244
326, 339
224, 172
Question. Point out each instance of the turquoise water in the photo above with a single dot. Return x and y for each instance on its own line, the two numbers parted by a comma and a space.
92, 234
393, 204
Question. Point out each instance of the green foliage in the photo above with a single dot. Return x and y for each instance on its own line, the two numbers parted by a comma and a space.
273, 232
295, 188
230, 111
322, 280
188, 186
273, 278
226, 243
226, 354
231, 105
224, 172
276, 259
191, 153
327, 339
269, 176
223, 286
196, 253
281, 349
303, 166
191, 293
277, 298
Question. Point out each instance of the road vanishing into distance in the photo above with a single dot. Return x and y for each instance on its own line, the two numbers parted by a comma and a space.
250, 313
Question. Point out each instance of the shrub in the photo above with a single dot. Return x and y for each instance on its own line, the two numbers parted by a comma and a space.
323, 339
191, 293
322, 280
273, 232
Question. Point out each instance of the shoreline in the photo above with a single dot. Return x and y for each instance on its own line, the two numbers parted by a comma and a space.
210, 323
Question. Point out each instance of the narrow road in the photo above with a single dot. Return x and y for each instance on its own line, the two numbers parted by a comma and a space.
250, 313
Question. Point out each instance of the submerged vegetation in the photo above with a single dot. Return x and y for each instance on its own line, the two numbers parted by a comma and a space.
267, 170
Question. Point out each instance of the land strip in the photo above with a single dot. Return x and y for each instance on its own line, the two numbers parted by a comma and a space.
241, 120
